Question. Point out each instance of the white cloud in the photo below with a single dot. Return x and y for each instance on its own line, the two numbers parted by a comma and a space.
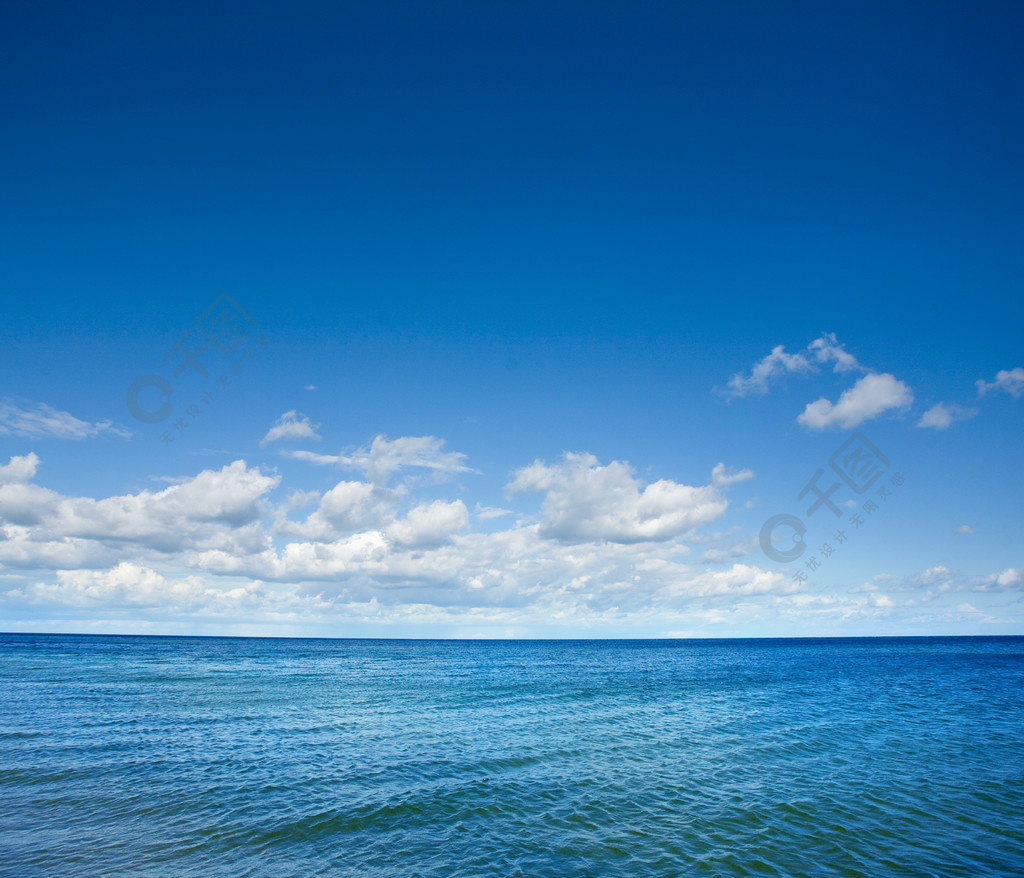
740, 579
778, 363
384, 456
1012, 381
767, 371
19, 470
347, 508
214, 508
587, 501
722, 477
1011, 578
718, 555
430, 524
965, 530
41, 421
941, 416
868, 398
486, 513
314, 457
129, 588
827, 348
967, 608
509, 579
291, 425
934, 576
604, 552
930, 582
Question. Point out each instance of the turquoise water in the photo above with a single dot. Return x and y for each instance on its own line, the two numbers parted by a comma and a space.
208, 756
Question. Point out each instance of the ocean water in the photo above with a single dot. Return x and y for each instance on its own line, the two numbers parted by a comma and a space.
209, 756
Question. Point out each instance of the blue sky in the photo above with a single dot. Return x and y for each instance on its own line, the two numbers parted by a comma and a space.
552, 307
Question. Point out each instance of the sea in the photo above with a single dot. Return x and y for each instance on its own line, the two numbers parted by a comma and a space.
206, 756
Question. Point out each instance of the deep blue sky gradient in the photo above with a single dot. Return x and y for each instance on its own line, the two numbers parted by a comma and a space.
527, 229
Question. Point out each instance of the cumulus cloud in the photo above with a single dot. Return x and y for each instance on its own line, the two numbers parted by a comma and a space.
430, 524
214, 508
1010, 579
778, 363
600, 548
1010, 380
827, 349
718, 555
19, 470
508, 577
928, 583
37, 420
872, 395
291, 425
766, 372
941, 416
345, 509
740, 579
125, 585
384, 456
130, 588
586, 501
965, 530
938, 575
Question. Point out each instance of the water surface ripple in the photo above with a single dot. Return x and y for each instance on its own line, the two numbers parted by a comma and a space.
208, 757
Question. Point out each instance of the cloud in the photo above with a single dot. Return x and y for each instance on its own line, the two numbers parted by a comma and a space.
1012, 381
933, 576
717, 555
216, 508
586, 501
965, 530
778, 364
19, 470
928, 583
349, 507
430, 524
1010, 579
971, 613
827, 349
37, 420
291, 425
740, 579
512, 577
128, 588
868, 398
601, 550
766, 372
126, 585
313, 457
941, 416
720, 476
486, 513
384, 456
